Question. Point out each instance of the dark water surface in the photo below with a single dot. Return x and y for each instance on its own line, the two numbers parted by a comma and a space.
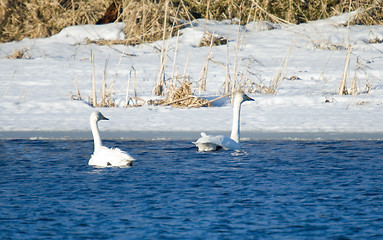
271, 190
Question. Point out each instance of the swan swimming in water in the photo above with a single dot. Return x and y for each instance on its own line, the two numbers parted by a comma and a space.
103, 156
213, 143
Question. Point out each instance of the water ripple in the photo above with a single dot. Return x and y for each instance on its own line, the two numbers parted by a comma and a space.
269, 190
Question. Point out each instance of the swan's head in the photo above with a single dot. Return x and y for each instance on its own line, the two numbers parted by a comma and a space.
97, 116
242, 97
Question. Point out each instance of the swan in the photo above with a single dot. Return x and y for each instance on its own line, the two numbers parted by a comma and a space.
212, 143
103, 156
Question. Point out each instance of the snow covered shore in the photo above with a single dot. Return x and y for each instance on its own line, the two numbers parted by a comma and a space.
35, 89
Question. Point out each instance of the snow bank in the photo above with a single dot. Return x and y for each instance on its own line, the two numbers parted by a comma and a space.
35, 91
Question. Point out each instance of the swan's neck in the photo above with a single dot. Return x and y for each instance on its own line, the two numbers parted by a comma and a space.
236, 122
96, 135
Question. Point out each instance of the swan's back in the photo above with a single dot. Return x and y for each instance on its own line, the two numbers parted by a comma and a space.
213, 143
103, 156
110, 157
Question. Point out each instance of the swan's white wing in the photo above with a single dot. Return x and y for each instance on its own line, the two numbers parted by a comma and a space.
229, 144
213, 143
110, 157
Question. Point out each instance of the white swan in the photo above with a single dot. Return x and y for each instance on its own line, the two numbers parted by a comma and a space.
213, 143
103, 156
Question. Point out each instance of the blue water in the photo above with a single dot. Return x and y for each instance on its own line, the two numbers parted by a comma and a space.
271, 190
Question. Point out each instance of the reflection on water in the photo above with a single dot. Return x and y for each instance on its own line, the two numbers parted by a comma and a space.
269, 190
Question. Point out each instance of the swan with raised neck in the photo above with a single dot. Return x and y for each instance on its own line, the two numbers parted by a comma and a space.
212, 143
103, 156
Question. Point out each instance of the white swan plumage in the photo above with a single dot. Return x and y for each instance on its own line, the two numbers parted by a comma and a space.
212, 143
104, 156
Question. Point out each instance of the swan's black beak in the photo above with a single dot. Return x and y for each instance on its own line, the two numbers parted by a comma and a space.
104, 118
249, 98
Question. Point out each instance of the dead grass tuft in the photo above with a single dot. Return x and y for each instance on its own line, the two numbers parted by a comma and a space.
182, 97
375, 40
20, 54
362, 103
209, 39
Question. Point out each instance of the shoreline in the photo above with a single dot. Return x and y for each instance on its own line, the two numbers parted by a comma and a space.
186, 135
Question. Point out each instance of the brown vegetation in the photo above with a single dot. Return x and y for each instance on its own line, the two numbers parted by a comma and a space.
182, 97
144, 18
20, 54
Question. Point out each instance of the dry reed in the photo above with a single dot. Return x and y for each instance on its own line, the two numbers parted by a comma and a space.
106, 93
280, 75
158, 89
42, 18
133, 101
354, 87
9, 84
202, 86
78, 95
144, 18
343, 84
93, 101
181, 97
